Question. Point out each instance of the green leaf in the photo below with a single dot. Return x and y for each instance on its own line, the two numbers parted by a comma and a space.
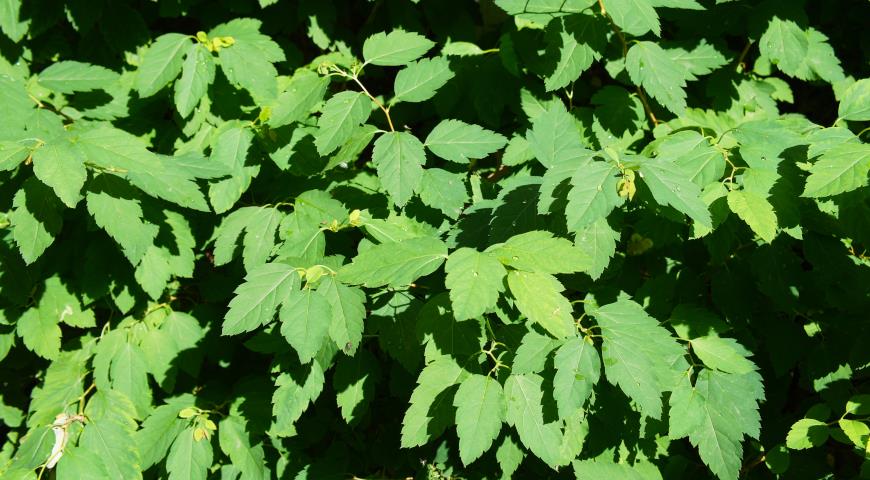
12, 154
419, 81
63, 385
109, 434
756, 211
341, 115
785, 44
538, 297
305, 318
592, 469
821, 60
670, 185
581, 40
635, 17
395, 48
128, 372
305, 90
189, 458
855, 101
716, 414
40, 333
247, 63
841, 169
724, 354
539, 252
444, 191
396, 264
807, 433
480, 409
593, 194
36, 219
10, 22
509, 456
354, 383
459, 142
161, 63
196, 75
475, 281
71, 76
531, 356
160, 429
348, 311
116, 207
553, 138
639, 355
234, 442
399, 158
858, 432
60, 165
423, 419
295, 391
79, 463
257, 300
650, 67
598, 240
578, 368
525, 413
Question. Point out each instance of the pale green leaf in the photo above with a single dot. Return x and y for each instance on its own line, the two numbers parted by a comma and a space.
459, 142
635, 17
348, 311
12, 154
396, 264
581, 40
578, 368
756, 211
525, 413
116, 207
538, 296
785, 44
70, 76
531, 356
36, 219
40, 333
189, 459
480, 408
538, 251
422, 420
419, 81
342, 113
197, 74
855, 101
354, 384
858, 432
161, 63
63, 385
60, 165
638, 353
295, 391
806, 433
841, 169
235, 443
554, 137
475, 281
160, 429
395, 48
650, 67
258, 298
305, 317
724, 354
595, 469
598, 240
444, 190
593, 194
305, 90
670, 185
399, 158
110, 434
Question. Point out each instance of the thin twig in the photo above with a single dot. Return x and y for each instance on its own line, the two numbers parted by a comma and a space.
378, 103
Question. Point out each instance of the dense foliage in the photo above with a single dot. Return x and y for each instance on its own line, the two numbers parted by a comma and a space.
434, 239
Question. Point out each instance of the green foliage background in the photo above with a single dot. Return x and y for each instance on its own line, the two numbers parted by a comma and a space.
434, 239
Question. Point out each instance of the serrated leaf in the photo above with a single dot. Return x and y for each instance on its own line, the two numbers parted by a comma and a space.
532, 353
525, 413
578, 368
540, 252
197, 74
423, 419
592, 469
841, 169
582, 38
638, 353
716, 414
348, 312
553, 138
724, 354
189, 458
399, 158
257, 300
295, 391
71, 76
538, 296
116, 207
12, 154
444, 191
109, 434
247, 63
305, 90
635, 17
420, 80
806, 433
855, 101
36, 219
60, 165
40, 333
459, 142
234, 442
650, 67
342, 113
305, 317
475, 281
593, 194
160, 429
598, 240
670, 185
785, 44
395, 264
395, 48
480, 408
756, 211
354, 383
161, 63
